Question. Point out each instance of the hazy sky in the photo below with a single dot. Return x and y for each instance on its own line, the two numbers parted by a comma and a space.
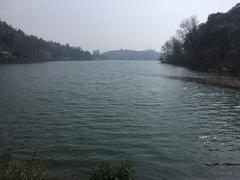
107, 24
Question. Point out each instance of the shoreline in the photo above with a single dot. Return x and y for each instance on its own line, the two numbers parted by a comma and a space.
221, 81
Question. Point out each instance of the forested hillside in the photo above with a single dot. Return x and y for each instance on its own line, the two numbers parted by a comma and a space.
214, 45
17, 47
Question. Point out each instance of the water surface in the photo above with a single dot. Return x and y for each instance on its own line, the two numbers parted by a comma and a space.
75, 114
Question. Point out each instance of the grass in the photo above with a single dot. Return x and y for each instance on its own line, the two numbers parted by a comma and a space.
34, 169
108, 170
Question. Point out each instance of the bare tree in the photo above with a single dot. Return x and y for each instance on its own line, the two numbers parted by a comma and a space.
172, 51
188, 33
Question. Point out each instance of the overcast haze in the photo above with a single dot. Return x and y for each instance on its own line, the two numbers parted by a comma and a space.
106, 24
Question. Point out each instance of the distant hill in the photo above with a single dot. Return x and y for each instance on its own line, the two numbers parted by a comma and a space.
125, 54
214, 45
17, 47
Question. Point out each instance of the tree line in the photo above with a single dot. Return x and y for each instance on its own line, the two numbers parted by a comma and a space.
214, 45
16, 46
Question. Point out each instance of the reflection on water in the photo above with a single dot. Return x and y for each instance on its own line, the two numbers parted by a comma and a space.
77, 113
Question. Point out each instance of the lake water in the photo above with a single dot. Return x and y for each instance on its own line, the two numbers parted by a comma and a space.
75, 114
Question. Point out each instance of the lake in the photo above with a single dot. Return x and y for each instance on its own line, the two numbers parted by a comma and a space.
75, 114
